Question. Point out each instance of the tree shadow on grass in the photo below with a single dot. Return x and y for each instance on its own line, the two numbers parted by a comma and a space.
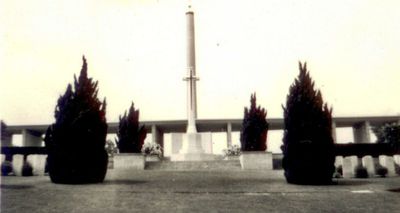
351, 182
123, 182
15, 186
394, 190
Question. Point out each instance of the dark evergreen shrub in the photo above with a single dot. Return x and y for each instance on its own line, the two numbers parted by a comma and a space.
397, 168
381, 171
253, 135
360, 172
46, 166
6, 168
75, 143
27, 169
308, 148
130, 134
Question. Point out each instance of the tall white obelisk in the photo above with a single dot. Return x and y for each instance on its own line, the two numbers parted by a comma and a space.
191, 73
192, 148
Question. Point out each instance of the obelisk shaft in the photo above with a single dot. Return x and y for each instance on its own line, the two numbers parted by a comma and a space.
191, 73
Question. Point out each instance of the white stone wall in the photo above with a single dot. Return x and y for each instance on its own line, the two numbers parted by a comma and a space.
129, 161
256, 160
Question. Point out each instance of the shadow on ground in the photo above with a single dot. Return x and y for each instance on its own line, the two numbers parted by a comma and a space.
394, 190
353, 182
12, 186
123, 182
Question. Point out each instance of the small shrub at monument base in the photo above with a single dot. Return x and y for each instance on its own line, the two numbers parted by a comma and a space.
111, 148
152, 149
232, 151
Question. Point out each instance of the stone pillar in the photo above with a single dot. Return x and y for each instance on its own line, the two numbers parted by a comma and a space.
334, 132
17, 164
157, 136
38, 163
228, 134
31, 138
361, 132
368, 163
388, 162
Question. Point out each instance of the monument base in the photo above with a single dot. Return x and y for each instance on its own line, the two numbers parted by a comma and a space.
129, 161
192, 149
193, 157
256, 160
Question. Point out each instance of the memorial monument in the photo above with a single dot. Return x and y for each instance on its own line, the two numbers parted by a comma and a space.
192, 143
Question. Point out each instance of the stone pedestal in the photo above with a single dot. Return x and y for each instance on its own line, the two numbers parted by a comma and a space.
152, 158
388, 162
178, 140
192, 144
129, 161
256, 160
38, 163
192, 149
17, 163
368, 163
349, 165
233, 157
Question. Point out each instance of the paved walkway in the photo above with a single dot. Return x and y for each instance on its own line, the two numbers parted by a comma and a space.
195, 191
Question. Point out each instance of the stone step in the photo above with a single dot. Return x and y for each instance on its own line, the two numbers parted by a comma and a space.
220, 165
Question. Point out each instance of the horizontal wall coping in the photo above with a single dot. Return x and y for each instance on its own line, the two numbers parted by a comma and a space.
216, 125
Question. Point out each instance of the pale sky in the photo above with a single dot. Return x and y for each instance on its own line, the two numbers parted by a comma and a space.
136, 50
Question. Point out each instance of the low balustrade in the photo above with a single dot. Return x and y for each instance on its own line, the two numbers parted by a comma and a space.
32, 136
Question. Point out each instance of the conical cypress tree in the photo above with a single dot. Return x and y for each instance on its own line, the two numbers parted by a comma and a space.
308, 147
253, 135
130, 135
76, 141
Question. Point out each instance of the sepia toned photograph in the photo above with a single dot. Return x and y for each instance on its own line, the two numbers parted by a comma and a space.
200, 106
